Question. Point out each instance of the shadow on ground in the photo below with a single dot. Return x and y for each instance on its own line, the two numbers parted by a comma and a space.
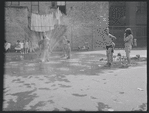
32, 85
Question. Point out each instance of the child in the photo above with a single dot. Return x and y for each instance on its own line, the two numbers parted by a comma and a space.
64, 46
68, 49
26, 46
109, 46
128, 39
18, 46
46, 42
22, 47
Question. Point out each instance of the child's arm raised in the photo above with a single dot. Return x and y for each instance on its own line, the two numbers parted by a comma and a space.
129, 37
112, 36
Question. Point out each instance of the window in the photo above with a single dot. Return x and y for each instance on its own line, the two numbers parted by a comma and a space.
11, 3
116, 15
15, 3
62, 6
35, 7
53, 5
142, 8
62, 9
61, 3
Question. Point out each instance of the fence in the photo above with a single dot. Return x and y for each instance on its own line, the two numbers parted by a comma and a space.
82, 34
139, 33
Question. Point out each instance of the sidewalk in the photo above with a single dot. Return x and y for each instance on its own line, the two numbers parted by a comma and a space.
120, 90
142, 53
75, 84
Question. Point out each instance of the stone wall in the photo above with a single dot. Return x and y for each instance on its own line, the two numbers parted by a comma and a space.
16, 20
80, 21
84, 18
16, 26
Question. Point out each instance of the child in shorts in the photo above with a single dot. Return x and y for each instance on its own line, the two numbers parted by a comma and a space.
128, 39
68, 49
110, 45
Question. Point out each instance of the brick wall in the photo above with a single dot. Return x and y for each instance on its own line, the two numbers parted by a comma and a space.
80, 19
84, 19
15, 23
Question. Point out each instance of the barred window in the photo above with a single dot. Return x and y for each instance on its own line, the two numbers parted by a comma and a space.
116, 15
142, 8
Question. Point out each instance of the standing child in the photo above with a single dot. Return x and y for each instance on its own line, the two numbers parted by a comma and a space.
22, 46
46, 42
128, 39
26, 46
109, 46
64, 46
40, 43
68, 49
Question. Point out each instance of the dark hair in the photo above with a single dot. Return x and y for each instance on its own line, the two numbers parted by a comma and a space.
128, 31
106, 30
68, 41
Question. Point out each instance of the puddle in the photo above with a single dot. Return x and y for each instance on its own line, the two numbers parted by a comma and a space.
79, 95
121, 92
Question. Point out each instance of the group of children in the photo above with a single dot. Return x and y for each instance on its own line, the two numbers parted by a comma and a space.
110, 45
46, 47
22, 46
108, 42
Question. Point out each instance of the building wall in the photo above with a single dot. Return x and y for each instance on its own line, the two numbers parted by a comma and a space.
128, 13
85, 18
78, 13
133, 18
16, 22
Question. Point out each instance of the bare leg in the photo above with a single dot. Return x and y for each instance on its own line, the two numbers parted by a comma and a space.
64, 51
110, 56
107, 54
25, 50
68, 53
43, 56
47, 55
128, 56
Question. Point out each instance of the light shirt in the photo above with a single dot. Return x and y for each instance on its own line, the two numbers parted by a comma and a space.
21, 45
128, 40
108, 40
26, 44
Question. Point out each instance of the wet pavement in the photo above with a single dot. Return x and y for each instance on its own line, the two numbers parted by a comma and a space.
81, 83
